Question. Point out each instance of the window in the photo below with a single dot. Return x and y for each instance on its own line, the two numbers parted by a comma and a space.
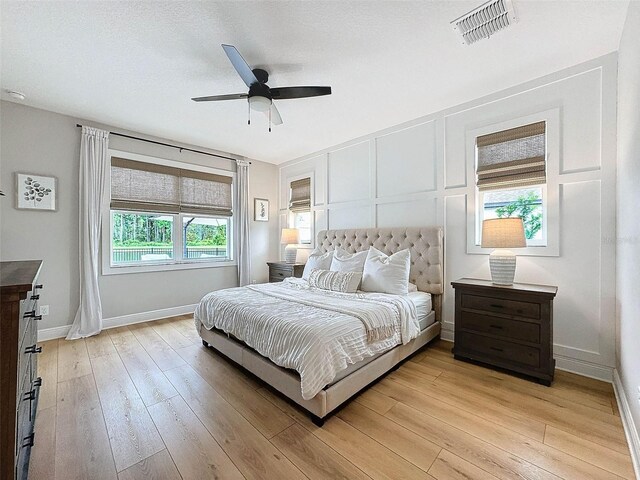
167, 215
511, 179
300, 208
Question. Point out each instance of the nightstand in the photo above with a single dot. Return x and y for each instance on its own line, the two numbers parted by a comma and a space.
278, 271
510, 327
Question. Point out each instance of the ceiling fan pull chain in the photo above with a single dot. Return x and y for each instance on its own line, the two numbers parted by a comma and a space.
249, 113
269, 118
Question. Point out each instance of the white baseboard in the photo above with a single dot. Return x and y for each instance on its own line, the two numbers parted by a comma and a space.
586, 369
61, 332
630, 430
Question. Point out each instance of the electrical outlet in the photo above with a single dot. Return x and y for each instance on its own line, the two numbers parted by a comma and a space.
44, 310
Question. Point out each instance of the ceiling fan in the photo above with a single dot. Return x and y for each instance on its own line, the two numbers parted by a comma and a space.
260, 95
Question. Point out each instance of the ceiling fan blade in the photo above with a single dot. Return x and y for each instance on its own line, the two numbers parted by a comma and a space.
276, 119
243, 69
282, 93
213, 98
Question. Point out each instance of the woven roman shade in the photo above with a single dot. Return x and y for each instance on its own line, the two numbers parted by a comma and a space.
146, 187
300, 195
512, 158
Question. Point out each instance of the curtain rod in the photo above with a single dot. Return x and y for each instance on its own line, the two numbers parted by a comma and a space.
167, 145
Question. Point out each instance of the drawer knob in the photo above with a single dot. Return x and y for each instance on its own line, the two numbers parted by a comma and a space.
35, 297
497, 349
28, 441
33, 349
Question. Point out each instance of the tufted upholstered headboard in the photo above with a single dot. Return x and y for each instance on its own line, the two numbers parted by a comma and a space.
425, 244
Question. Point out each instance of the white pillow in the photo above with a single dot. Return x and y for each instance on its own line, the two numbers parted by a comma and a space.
344, 261
345, 282
319, 260
387, 274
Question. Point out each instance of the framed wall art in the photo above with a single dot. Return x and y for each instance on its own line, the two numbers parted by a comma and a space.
261, 209
36, 192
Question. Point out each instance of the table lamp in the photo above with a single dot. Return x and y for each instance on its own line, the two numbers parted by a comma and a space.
502, 234
290, 237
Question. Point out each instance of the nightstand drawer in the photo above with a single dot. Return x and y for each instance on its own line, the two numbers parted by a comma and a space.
503, 327
278, 271
501, 305
500, 349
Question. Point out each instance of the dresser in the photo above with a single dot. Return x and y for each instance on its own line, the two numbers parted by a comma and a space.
278, 271
19, 382
510, 327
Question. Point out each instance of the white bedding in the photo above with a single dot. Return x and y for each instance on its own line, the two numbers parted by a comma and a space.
422, 302
304, 331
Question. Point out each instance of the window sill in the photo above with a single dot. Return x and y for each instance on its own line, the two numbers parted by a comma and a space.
164, 267
531, 251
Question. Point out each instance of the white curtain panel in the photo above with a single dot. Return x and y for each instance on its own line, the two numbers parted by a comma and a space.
242, 213
94, 162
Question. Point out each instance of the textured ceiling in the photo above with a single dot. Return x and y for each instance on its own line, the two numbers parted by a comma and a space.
135, 65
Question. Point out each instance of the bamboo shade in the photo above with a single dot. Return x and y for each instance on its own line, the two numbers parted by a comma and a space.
146, 187
512, 158
300, 200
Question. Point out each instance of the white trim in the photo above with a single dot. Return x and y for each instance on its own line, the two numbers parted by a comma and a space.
61, 332
584, 368
630, 430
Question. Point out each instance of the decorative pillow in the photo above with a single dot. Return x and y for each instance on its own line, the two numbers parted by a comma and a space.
413, 287
345, 282
387, 274
344, 261
318, 260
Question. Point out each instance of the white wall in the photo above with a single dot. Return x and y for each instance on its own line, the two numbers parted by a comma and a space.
421, 173
628, 225
38, 141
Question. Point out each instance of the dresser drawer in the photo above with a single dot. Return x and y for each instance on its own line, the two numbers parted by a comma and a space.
503, 327
278, 275
501, 305
499, 349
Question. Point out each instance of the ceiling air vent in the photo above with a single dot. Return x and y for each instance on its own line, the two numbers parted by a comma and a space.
485, 20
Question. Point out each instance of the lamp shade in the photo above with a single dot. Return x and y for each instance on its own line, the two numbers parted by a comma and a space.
290, 236
503, 233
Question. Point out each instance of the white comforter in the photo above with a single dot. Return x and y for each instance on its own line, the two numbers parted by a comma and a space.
308, 329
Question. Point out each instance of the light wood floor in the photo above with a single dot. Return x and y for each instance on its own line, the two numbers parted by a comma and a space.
149, 401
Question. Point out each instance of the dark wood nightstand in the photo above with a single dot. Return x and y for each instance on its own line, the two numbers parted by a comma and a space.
510, 327
278, 271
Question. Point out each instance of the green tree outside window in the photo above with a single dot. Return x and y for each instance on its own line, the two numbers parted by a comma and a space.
526, 207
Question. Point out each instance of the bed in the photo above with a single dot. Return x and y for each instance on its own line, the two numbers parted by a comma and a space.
314, 347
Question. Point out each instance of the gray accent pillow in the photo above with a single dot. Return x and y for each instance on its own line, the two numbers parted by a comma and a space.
345, 282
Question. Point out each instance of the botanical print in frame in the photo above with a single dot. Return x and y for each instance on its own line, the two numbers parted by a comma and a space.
261, 209
36, 192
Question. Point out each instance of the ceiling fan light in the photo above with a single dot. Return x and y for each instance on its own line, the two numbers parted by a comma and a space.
259, 104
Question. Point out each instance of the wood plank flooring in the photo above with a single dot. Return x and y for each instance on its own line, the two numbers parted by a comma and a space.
148, 401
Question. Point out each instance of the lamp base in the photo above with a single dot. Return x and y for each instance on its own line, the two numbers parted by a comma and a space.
503, 266
290, 254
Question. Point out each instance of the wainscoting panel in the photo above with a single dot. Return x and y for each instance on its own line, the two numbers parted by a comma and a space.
406, 161
348, 173
349, 217
407, 214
